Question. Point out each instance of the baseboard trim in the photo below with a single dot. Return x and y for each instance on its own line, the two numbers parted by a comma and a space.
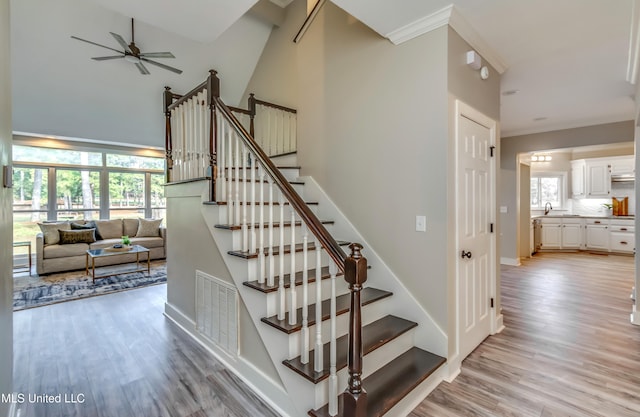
510, 261
635, 316
269, 391
499, 324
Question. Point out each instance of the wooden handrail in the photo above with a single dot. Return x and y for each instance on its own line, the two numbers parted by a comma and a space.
187, 96
239, 110
308, 217
275, 106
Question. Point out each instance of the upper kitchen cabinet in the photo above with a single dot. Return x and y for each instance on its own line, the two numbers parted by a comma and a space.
578, 178
623, 166
598, 173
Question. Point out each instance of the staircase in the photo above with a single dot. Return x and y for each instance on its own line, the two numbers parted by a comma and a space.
324, 329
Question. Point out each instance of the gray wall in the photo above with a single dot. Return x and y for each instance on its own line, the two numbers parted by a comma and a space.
558, 139
197, 251
373, 128
524, 250
6, 220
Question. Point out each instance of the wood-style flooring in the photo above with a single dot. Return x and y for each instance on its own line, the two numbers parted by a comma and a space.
568, 348
117, 356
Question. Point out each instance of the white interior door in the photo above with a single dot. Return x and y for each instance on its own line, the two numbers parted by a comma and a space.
475, 196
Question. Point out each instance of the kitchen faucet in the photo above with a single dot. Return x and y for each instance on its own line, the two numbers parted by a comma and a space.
547, 208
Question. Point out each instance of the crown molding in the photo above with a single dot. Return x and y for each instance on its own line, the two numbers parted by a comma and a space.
452, 17
634, 44
421, 26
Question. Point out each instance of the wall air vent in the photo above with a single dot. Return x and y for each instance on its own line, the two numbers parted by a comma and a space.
217, 312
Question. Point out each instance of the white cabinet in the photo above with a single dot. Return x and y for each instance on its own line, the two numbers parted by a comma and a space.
598, 178
622, 236
551, 237
558, 233
623, 165
578, 186
597, 234
571, 234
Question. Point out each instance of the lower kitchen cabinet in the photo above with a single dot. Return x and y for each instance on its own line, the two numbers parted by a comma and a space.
587, 233
572, 235
597, 237
551, 236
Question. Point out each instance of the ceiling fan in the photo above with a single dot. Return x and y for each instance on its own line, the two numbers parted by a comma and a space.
133, 54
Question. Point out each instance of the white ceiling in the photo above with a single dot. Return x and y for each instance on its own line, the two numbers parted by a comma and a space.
567, 59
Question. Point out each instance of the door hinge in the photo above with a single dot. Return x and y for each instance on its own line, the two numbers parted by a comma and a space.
491, 149
490, 227
491, 302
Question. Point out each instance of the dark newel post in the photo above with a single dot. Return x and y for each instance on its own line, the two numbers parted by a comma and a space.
355, 273
252, 114
213, 92
167, 99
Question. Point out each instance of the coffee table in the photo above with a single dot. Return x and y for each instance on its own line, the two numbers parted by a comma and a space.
101, 253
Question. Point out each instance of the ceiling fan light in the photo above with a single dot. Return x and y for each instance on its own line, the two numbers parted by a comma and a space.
132, 59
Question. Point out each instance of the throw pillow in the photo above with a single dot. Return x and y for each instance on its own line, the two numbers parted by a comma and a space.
148, 227
87, 225
50, 231
77, 236
110, 229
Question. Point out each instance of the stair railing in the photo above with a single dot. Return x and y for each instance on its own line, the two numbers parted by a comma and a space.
258, 197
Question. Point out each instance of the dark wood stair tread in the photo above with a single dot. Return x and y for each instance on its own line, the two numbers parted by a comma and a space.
265, 225
374, 335
257, 180
256, 167
391, 383
276, 250
368, 296
324, 274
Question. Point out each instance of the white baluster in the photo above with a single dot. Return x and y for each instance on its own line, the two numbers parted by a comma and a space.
294, 133
245, 184
293, 303
261, 256
282, 306
236, 206
305, 296
272, 259
318, 350
252, 201
229, 141
333, 377
222, 158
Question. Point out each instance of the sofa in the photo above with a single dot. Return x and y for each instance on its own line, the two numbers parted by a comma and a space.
62, 246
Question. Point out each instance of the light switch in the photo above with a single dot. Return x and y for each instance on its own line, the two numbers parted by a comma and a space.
421, 223
503, 209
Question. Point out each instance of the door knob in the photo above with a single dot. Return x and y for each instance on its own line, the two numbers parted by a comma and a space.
466, 254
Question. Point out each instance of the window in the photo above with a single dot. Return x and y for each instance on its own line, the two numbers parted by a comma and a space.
72, 184
547, 189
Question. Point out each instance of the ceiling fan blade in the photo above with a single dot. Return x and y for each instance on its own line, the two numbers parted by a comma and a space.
157, 55
96, 44
121, 41
158, 64
143, 70
104, 58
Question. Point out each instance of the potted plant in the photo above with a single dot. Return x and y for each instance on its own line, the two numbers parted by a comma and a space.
126, 241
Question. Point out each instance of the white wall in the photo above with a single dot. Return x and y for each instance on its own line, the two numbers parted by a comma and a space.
59, 90
6, 221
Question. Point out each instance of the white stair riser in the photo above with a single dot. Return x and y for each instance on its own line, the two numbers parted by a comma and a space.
253, 269
275, 241
223, 217
341, 288
290, 174
299, 188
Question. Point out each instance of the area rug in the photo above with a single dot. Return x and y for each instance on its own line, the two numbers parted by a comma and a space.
36, 291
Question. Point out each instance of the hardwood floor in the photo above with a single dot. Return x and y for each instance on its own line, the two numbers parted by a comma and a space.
119, 355
568, 348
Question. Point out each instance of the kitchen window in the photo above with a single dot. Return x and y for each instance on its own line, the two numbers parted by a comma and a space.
547, 188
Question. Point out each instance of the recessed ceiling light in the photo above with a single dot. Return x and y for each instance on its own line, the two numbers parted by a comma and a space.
539, 119
510, 92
